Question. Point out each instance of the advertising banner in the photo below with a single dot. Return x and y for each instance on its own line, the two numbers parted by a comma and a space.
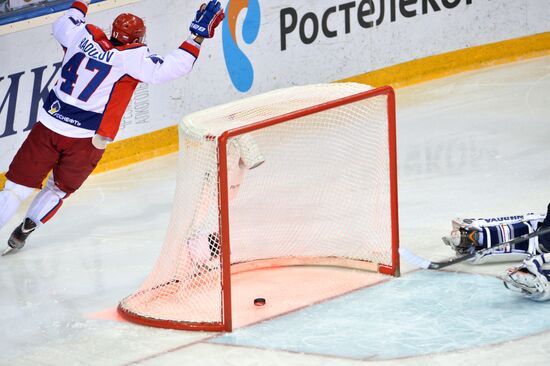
260, 46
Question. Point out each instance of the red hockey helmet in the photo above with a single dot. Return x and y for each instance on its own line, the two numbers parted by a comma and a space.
128, 28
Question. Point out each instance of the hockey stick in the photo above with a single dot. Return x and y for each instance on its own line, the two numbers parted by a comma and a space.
426, 264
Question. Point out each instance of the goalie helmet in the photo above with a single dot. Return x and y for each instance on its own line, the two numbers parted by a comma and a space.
463, 240
128, 28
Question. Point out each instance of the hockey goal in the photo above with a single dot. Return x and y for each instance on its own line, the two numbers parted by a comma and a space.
299, 176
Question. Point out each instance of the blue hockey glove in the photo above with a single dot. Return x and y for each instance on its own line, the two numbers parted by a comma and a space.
207, 19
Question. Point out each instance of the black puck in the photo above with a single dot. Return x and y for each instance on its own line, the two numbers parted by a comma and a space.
260, 301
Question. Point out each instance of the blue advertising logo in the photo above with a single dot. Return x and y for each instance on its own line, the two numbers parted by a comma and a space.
238, 65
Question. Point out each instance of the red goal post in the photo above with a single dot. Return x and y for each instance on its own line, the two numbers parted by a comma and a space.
298, 176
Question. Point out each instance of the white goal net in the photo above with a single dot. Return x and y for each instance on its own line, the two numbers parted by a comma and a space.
298, 176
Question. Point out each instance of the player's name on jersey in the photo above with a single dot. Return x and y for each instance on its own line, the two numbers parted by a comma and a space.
494, 219
93, 52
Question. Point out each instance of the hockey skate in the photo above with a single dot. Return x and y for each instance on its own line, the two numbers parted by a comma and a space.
530, 279
520, 280
19, 236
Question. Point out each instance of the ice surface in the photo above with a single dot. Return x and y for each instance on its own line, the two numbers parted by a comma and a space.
468, 145
421, 313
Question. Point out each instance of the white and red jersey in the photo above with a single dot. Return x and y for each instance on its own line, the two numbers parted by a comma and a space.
98, 79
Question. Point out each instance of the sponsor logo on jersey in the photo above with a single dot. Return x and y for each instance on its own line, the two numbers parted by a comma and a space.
54, 111
55, 107
238, 65
90, 49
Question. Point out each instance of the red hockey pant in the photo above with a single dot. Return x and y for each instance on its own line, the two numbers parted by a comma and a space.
72, 160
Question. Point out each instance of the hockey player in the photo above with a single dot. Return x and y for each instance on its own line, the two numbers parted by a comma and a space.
472, 235
532, 277
84, 109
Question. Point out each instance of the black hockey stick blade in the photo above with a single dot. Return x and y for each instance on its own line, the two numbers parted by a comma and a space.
426, 264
